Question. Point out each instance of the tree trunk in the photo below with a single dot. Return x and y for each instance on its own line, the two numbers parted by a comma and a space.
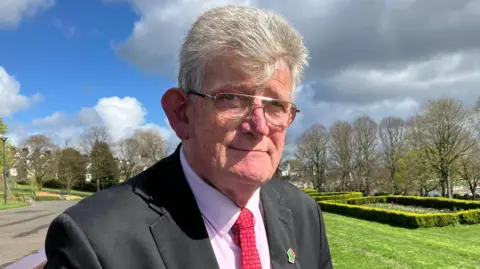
449, 186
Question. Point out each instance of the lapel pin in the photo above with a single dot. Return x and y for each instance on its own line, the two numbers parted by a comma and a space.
291, 255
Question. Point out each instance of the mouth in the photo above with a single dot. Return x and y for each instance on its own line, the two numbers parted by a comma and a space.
249, 150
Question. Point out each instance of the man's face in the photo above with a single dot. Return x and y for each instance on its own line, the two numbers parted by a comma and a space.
227, 151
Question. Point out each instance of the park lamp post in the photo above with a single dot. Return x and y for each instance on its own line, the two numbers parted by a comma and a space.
4, 140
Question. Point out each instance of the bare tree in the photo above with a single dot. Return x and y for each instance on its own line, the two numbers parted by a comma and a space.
469, 169
93, 135
340, 148
40, 159
392, 136
443, 130
286, 155
312, 152
365, 153
128, 155
150, 145
415, 172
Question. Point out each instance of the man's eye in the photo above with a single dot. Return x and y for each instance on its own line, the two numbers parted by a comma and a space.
228, 97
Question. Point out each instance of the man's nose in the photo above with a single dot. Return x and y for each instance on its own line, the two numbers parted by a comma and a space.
257, 122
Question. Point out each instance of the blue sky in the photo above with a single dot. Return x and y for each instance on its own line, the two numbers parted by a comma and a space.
66, 65
67, 55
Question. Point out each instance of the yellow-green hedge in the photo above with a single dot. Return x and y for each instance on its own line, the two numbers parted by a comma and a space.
347, 195
402, 219
431, 202
310, 191
322, 196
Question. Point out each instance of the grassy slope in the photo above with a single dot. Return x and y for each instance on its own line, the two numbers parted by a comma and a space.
12, 204
362, 244
73, 192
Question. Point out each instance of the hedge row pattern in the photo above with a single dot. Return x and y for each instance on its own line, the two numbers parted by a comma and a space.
402, 219
344, 196
350, 204
322, 196
431, 202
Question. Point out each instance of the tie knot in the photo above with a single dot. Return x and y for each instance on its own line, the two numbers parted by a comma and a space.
245, 220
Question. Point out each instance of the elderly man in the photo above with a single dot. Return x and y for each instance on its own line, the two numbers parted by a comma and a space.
212, 203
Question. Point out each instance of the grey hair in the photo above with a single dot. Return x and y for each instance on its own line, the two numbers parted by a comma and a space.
258, 40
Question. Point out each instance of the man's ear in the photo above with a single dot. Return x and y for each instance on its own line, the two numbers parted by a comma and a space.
174, 103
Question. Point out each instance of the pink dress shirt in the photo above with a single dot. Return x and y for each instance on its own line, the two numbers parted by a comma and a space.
219, 214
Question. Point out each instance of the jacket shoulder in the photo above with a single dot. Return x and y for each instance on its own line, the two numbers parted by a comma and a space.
290, 192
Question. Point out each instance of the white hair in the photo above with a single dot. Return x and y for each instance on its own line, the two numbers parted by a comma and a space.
258, 40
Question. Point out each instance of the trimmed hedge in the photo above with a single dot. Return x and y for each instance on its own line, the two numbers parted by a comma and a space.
310, 191
322, 196
431, 202
402, 219
435, 202
343, 196
47, 198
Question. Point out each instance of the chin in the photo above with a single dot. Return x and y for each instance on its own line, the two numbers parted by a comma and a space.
252, 172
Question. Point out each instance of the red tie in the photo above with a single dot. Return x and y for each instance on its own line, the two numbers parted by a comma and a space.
244, 235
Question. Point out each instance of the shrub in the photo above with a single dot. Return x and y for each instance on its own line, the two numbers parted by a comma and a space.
53, 183
434, 202
47, 198
344, 196
430, 202
398, 218
309, 191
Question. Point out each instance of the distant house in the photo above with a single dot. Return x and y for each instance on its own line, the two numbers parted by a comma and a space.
289, 168
88, 174
303, 183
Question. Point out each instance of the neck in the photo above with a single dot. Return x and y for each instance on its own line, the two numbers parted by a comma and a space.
240, 195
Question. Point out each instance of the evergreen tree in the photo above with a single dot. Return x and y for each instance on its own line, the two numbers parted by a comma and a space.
71, 167
104, 167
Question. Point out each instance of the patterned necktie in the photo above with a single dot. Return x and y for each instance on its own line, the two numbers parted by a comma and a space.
244, 236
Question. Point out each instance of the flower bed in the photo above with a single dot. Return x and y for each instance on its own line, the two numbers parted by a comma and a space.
460, 211
408, 208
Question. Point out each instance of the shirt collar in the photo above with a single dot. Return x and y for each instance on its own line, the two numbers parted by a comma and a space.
215, 206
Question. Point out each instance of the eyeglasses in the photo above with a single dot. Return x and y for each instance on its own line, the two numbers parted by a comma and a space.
239, 106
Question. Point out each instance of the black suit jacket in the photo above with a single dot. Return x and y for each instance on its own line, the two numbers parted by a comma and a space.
153, 221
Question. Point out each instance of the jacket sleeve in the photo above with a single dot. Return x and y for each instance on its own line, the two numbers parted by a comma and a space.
325, 256
67, 246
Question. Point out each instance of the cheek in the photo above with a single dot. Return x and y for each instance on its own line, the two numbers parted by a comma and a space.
278, 140
212, 133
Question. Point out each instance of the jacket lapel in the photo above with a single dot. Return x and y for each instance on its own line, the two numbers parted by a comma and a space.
279, 226
179, 232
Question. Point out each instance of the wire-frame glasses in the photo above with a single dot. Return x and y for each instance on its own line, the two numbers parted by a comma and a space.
239, 106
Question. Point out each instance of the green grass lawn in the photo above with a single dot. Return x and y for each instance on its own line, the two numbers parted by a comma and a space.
361, 244
73, 192
12, 204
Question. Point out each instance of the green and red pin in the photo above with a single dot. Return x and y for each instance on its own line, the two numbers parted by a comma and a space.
291, 255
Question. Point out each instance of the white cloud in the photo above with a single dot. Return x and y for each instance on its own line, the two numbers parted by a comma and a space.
368, 57
55, 119
122, 116
156, 37
11, 100
13, 11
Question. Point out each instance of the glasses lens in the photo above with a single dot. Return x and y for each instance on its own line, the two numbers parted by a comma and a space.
231, 105
235, 106
278, 112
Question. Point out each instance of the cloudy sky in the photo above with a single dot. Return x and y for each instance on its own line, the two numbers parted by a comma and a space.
65, 65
